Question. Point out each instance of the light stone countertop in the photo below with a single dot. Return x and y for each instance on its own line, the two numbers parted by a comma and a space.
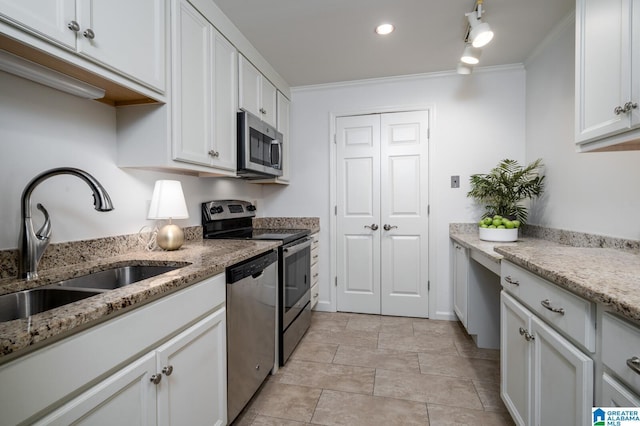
606, 276
203, 259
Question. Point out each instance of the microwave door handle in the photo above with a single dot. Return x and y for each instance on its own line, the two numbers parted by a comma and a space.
279, 145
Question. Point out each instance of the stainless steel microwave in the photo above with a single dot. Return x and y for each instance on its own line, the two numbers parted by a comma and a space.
259, 148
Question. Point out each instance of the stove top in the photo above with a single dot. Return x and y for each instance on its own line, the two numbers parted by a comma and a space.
232, 219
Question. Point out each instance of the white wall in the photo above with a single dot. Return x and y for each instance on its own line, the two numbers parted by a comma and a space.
478, 120
588, 192
41, 128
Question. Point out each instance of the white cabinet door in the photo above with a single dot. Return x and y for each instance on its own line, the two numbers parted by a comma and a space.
204, 92
515, 360
256, 94
403, 216
47, 18
459, 277
614, 394
269, 102
193, 388
563, 379
607, 83
125, 397
225, 104
128, 36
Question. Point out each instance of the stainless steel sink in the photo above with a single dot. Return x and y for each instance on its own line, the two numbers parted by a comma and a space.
116, 277
30, 302
23, 304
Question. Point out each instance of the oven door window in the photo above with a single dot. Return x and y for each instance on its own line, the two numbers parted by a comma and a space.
297, 277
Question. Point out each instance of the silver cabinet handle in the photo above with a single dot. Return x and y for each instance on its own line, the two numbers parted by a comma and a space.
629, 106
167, 370
88, 33
546, 303
634, 364
316, 274
73, 26
214, 154
528, 336
373, 227
511, 280
263, 111
388, 227
618, 110
155, 379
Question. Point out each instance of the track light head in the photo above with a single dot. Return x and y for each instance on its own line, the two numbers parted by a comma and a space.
480, 34
470, 55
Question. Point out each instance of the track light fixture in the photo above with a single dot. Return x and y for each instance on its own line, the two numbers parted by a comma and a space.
478, 34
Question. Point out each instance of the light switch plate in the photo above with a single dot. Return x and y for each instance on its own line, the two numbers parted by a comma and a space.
455, 181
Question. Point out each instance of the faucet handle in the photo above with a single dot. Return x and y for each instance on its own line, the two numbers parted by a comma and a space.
45, 231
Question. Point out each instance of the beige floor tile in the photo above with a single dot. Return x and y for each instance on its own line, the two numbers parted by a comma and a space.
367, 339
468, 349
329, 320
272, 421
285, 401
377, 358
364, 323
489, 393
427, 388
245, 418
436, 327
314, 351
457, 366
340, 408
396, 325
418, 343
328, 376
441, 415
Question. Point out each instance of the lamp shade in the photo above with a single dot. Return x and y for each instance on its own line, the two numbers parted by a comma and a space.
167, 201
470, 55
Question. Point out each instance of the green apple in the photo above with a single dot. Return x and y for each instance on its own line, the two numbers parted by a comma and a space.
487, 221
508, 224
502, 227
497, 222
497, 216
481, 222
491, 226
483, 225
516, 223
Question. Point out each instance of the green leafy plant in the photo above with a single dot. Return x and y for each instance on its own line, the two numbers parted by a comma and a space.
503, 189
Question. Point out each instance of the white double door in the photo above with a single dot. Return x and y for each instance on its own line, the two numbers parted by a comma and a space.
382, 213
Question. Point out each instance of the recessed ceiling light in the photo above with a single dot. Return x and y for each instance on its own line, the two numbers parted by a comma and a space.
384, 29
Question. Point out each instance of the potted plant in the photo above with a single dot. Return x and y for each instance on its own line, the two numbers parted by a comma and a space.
502, 192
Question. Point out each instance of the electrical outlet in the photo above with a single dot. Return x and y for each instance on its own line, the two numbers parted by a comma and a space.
455, 181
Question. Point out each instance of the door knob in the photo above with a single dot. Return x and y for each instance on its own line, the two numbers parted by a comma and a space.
373, 227
388, 227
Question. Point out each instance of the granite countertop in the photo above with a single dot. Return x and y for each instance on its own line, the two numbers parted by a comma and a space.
607, 276
202, 259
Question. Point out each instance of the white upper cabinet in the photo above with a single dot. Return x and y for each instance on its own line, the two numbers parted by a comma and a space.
256, 94
607, 79
127, 37
204, 92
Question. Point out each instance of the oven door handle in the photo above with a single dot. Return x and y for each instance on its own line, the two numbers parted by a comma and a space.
297, 247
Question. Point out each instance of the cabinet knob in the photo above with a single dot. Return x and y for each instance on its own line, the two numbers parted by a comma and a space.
257, 367
629, 106
618, 110
73, 26
263, 111
155, 379
88, 33
214, 154
167, 370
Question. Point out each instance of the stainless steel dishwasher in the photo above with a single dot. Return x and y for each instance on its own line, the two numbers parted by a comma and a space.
251, 323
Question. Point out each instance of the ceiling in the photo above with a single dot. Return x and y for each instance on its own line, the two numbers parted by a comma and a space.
324, 41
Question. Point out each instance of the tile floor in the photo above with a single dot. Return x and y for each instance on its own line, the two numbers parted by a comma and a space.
354, 369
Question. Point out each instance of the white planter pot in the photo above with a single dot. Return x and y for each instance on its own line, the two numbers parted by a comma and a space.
501, 235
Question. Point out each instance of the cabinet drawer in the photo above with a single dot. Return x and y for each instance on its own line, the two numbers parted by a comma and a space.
616, 395
314, 274
620, 344
565, 311
315, 295
315, 241
314, 255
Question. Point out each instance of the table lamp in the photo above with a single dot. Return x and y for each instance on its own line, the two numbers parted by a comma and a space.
168, 202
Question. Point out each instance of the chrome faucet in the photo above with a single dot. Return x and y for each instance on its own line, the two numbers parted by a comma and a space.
33, 244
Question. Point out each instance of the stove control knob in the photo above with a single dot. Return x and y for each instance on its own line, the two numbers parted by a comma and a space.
251, 208
216, 209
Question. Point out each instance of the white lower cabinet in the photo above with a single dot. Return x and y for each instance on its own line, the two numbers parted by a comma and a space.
545, 379
460, 267
160, 364
315, 269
